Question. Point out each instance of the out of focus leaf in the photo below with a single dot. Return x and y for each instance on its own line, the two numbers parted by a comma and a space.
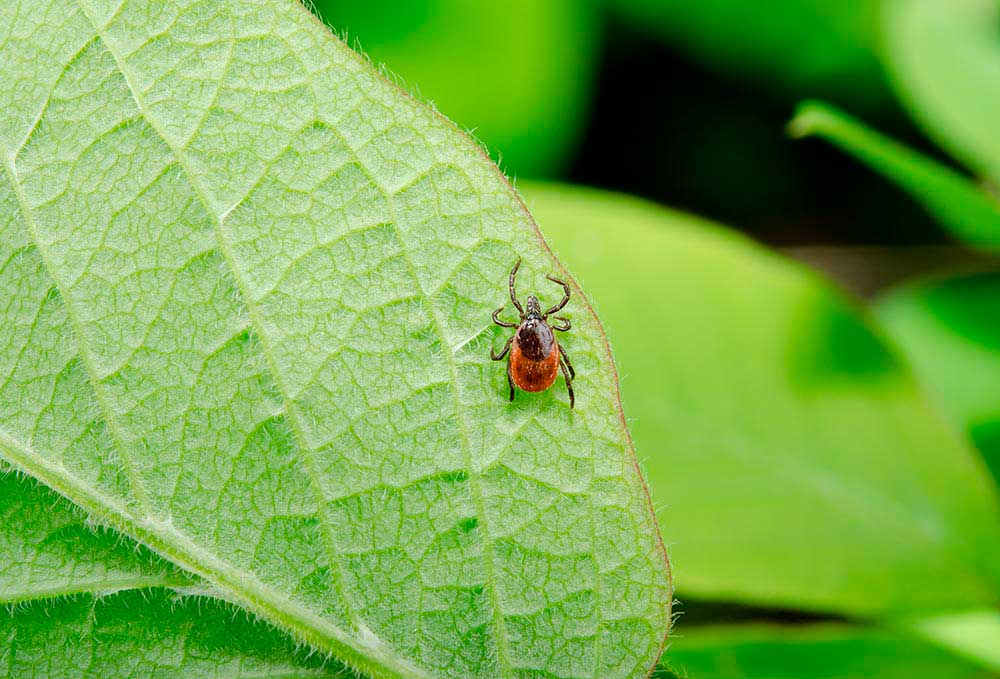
975, 635
944, 59
827, 651
792, 458
519, 72
802, 46
970, 214
950, 332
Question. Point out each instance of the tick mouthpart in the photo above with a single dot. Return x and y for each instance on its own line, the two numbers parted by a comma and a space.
533, 307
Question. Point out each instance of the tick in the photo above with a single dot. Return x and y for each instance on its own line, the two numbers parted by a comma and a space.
535, 355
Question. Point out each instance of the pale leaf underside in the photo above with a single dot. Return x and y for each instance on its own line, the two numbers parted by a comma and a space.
245, 288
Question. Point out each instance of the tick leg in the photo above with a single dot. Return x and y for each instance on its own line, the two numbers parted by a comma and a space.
510, 284
564, 327
565, 358
506, 348
567, 374
510, 381
565, 298
502, 324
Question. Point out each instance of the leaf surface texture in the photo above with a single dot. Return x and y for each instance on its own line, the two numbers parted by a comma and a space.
247, 287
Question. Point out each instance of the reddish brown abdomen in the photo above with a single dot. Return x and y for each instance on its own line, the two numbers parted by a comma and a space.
534, 356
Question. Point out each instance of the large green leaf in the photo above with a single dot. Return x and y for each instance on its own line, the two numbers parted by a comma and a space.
134, 634
969, 213
85, 602
520, 73
944, 58
791, 457
949, 331
827, 651
49, 551
246, 291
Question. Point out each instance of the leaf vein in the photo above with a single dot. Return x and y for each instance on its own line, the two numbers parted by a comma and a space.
503, 650
86, 358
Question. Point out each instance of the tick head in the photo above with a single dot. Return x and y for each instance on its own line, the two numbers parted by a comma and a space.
533, 308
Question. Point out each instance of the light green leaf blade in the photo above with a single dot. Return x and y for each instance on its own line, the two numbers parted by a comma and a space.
248, 290
135, 634
520, 73
974, 635
948, 330
816, 651
970, 214
943, 57
791, 458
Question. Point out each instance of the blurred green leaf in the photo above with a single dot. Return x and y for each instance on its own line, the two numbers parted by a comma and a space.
520, 73
969, 213
950, 332
944, 61
822, 651
792, 459
798, 45
975, 635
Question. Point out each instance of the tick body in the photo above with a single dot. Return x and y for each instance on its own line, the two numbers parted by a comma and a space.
534, 356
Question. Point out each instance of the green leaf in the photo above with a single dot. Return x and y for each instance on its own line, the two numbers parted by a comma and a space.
664, 672
818, 651
134, 633
975, 635
948, 330
970, 214
247, 286
525, 96
792, 459
86, 602
47, 550
943, 57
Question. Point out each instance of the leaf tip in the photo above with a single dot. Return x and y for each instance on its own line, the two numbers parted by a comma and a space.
811, 117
